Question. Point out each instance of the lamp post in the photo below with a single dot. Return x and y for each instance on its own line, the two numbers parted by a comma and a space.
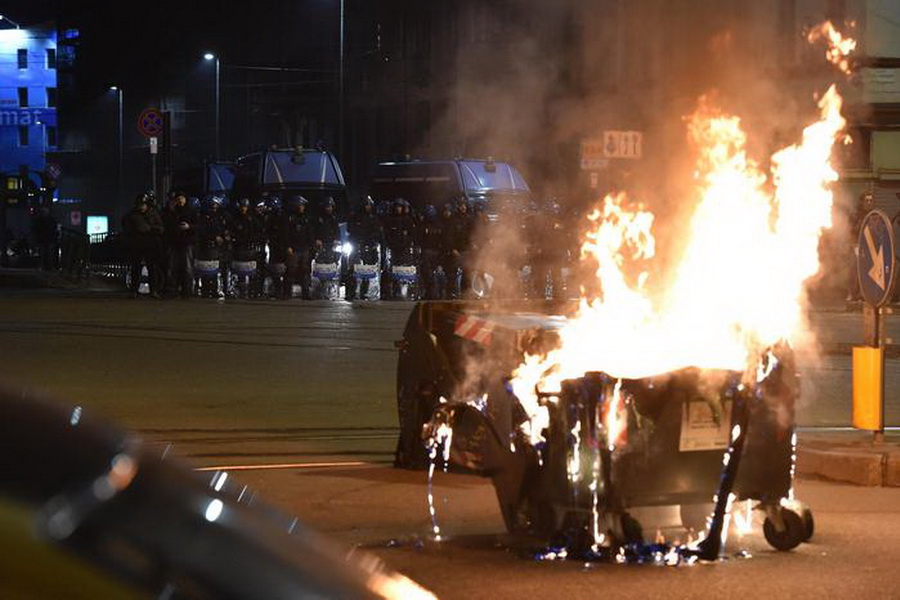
341, 90
120, 96
209, 56
5, 18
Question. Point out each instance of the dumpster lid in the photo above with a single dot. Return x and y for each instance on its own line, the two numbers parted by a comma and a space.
521, 320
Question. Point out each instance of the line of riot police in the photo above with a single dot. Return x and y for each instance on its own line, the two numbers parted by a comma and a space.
458, 251
205, 248
270, 247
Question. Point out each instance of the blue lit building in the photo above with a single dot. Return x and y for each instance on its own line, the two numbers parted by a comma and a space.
28, 103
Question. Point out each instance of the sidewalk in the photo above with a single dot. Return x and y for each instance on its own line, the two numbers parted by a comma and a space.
40, 279
850, 456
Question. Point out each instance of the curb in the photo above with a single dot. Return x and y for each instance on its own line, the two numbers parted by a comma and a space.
860, 467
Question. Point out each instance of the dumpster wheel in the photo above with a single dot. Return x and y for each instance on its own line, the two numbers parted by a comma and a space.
809, 525
793, 529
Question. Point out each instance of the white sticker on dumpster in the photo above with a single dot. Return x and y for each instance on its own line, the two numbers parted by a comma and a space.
701, 430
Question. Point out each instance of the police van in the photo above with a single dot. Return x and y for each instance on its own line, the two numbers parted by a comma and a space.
286, 172
483, 182
311, 173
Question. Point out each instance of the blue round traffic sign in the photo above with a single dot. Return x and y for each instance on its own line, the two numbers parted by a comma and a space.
875, 259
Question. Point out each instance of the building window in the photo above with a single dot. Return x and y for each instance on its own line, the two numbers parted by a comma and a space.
23, 97
51, 97
51, 58
23, 58
23, 135
52, 140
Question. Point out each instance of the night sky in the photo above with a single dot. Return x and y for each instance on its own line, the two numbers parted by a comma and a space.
139, 45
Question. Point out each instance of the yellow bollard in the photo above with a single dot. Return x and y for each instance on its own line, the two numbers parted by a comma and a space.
867, 387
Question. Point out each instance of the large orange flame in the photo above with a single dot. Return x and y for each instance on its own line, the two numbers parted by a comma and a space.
751, 243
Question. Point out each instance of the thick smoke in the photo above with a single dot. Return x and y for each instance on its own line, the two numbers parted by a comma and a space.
537, 78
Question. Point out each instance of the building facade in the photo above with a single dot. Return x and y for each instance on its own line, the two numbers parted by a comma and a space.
28, 106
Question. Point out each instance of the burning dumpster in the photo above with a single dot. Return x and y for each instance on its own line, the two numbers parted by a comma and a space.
670, 382
686, 438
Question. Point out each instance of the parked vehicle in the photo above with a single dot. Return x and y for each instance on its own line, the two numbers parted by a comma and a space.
483, 182
87, 511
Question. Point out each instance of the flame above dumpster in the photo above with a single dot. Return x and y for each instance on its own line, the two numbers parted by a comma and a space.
738, 287
839, 47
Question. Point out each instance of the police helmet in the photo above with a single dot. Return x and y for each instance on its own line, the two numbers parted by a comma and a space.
430, 212
244, 203
140, 199
328, 203
367, 201
273, 203
448, 209
194, 202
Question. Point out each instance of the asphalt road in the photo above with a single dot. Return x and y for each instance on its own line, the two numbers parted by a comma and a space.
188, 370
308, 385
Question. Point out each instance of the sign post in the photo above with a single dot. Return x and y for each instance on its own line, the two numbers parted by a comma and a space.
876, 264
150, 125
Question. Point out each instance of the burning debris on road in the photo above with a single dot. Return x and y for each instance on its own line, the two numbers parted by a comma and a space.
631, 399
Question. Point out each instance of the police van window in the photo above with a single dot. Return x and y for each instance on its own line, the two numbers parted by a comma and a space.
23, 97
503, 177
23, 58
316, 167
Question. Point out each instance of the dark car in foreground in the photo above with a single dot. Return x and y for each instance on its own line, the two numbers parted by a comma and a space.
87, 511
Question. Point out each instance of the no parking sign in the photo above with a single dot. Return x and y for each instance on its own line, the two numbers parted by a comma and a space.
150, 122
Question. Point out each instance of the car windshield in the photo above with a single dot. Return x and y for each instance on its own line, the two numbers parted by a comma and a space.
309, 167
478, 178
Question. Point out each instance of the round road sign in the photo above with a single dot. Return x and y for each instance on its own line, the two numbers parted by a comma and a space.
150, 122
875, 259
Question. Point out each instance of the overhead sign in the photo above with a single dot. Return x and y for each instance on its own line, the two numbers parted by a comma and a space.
875, 260
150, 122
592, 155
622, 144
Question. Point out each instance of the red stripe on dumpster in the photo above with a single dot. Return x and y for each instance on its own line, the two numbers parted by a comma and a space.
475, 329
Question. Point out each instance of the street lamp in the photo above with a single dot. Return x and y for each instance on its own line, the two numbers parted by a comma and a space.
208, 57
341, 91
5, 18
120, 97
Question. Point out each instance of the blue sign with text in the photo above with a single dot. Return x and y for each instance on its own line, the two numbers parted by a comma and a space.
24, 117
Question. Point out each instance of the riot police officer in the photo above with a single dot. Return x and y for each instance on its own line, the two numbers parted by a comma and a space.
299, 239
367, 238
143, 230
399, 235
212, 232
276, 237
550, 251
456, 243
179, 221
433, 278
246, 231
